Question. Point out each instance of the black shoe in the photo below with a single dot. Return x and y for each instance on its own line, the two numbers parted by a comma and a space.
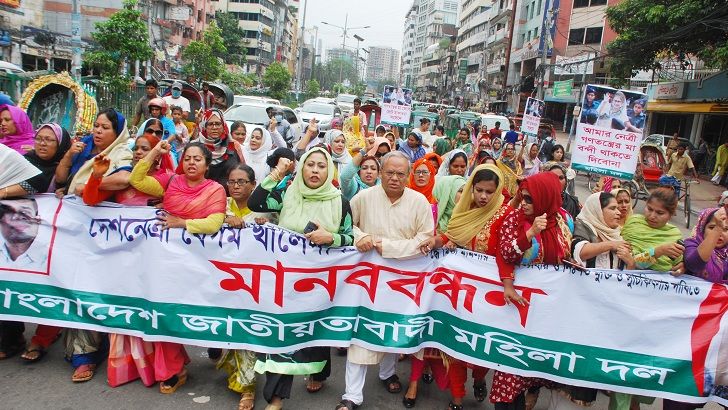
408, 403
214, 353
427, 378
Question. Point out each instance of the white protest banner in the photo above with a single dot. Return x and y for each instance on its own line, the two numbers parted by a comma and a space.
609, 132
269, 290
532, 116
396, 105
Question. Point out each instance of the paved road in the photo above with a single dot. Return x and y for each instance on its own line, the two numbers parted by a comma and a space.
47, 385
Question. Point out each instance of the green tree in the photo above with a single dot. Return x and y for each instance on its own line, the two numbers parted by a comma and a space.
203, 58
312, 89
232, 35
358, 88
238, 82
120, 40
333, 71
339, 88
278, 80
652, 30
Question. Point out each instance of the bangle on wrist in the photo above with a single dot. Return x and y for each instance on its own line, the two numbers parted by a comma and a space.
651, 252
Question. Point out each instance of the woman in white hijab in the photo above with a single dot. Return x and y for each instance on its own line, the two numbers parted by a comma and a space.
255, 151
454, 162
336, 141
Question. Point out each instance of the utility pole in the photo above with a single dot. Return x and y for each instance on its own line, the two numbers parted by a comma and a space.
358, 40
151, 36
572, 131
346, 28
545, 39
299, 68
76, 42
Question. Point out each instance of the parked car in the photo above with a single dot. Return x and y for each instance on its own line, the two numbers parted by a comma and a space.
239, 99
663, 139
346, 102
324, 100
322, 111
254, 115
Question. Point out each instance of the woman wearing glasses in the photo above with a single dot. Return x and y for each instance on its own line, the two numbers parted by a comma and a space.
226, 152
116, 185
539, 231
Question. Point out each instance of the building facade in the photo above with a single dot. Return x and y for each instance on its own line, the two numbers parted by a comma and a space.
340, 54
271, 31
434, 20
382, 64
171, 27
406, 78
472, 34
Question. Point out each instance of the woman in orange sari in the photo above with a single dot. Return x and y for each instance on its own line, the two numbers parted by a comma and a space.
192, 202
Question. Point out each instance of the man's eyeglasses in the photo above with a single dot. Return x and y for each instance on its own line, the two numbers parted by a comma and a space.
237, 182
158, 133
392, 174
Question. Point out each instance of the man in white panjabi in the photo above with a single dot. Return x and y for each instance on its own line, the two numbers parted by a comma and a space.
393, 220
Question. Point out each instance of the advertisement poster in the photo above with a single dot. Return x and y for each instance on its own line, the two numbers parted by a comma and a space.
610, 131
532, 116
396, 105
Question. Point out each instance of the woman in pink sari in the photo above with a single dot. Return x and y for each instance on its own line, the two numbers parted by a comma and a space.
16, 130
190, 201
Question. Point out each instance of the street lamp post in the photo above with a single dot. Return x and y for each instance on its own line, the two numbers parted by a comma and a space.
345, 29
299, 66
358, 40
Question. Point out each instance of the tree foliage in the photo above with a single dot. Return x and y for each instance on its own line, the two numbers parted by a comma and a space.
312, 89
238, 82
650, 31
330, 73
121, 39
203, 58
232, 35
278, 80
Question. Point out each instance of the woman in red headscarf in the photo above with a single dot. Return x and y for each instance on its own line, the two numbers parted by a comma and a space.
116, 185
538, 231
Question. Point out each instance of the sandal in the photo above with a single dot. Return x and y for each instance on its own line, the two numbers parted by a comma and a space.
392, 384
453, 406
273, 407
408, 402
171, 385
83, 373
427, 378
480, 391
12, 350
247, 401
314, 386
214, 353
33, 354
346, 405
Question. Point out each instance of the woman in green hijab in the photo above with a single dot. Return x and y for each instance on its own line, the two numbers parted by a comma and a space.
653, 239
310, 198
446, 192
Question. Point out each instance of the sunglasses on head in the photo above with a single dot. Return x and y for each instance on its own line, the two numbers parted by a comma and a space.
158, 133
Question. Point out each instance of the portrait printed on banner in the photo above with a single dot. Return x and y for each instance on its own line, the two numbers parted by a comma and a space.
25, 241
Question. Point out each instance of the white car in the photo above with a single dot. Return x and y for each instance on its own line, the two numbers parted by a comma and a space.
239, 99
346, 102
253, 115
322, 111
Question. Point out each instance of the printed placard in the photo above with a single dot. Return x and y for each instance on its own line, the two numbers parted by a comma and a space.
396, 105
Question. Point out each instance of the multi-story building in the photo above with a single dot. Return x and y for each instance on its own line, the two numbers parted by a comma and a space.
408, 47
270, 30
382, 64
435, 80
431, 16
581, 34
341, 54
472, 33
171, 27
497, 52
